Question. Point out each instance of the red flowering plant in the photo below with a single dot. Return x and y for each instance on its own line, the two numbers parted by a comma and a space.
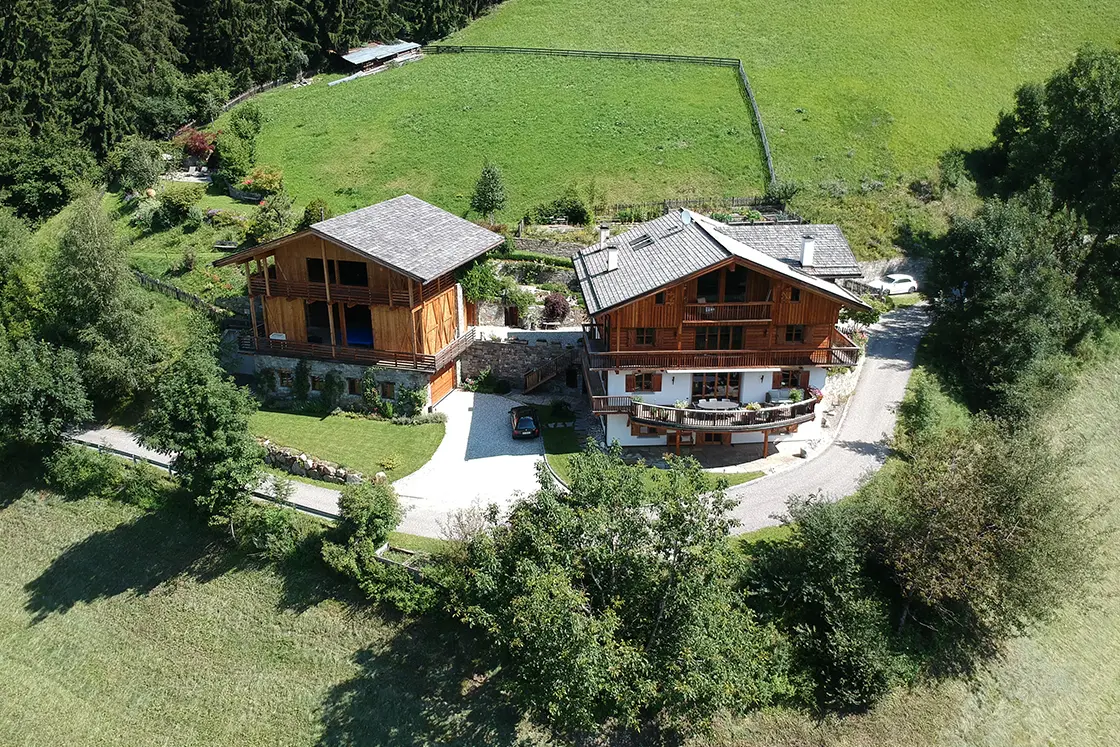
197, 143
264, 180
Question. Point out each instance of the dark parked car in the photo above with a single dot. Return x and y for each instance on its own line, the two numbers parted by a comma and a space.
524, 422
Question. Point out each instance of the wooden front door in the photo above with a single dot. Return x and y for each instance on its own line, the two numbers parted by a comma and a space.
443, 382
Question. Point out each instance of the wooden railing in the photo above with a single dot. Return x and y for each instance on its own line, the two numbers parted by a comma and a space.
455, 348
611, 404
767, 418
318, 292
750, 311
344, 354
724, 359
550, 370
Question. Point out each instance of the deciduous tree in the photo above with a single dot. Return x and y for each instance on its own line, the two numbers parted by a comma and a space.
41, 394
489, 192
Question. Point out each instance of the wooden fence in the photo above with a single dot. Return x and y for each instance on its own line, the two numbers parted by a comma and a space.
728, 62
217, 313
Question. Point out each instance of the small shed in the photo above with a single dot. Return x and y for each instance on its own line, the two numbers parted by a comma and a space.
376, 54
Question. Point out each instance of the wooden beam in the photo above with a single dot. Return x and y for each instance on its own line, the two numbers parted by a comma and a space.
389, 287
342, 322
765, 443
267, 287
327, 284
412, 317
252, 302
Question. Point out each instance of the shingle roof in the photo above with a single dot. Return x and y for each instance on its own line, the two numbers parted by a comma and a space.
662, 251
833, 257
410, 236
378, 51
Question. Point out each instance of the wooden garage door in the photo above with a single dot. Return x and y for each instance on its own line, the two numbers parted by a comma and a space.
443, 382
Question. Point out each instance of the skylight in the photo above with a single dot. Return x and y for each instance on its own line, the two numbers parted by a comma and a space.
641, 242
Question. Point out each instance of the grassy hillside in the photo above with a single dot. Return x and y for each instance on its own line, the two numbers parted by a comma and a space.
641, 132
848, 90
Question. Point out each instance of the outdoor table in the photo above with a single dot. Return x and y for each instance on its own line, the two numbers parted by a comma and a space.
717, 404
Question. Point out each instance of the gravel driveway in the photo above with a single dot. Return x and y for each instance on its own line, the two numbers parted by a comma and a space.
478, 460
859, 447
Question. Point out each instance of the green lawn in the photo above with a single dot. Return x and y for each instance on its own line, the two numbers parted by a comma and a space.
847, 90
364, 445
640, 131
561, 444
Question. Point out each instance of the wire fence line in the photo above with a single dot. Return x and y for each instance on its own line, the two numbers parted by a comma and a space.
220, 315
728, 62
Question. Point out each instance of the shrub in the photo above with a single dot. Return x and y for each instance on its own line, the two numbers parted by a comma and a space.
556, 307
561, 410
245, 121
389, 462
207, 93
781, 192
135, 164
146, 215
264, 382
423, 418
273, 532
301, 381
176, 200
569, 206
143, 486
197, 143
78, 472
264, 180
796, 395
189, 259
234, 157
479, 282
272, 220
334, 386
413, 400
317, 210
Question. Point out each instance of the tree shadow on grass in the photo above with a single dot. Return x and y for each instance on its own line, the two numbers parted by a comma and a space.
135, 557
421, 688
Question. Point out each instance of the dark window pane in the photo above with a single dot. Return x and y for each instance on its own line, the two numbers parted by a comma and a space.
707, 288
315, 270
353, 273
735, 289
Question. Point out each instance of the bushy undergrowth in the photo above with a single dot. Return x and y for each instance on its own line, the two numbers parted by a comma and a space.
78, 472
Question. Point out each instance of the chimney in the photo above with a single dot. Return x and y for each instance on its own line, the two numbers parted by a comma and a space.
808, 250
612, 258
604, 234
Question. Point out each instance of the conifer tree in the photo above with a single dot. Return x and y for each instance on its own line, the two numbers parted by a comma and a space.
489, 192
108, 68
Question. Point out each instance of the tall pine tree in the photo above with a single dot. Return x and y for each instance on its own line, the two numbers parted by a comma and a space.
108, 72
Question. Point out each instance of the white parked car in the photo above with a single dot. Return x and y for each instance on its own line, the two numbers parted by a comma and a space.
894, 285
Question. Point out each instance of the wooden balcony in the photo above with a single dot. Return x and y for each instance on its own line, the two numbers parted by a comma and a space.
685, 419
602, 405
362, 356
318, 292
718, 313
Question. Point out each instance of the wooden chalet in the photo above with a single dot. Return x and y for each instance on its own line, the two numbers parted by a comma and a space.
698, 337
374, 287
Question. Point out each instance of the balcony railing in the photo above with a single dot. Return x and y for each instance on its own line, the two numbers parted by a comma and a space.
723, 360
362, 356
318, 292
613, 404
751, 311
684, 419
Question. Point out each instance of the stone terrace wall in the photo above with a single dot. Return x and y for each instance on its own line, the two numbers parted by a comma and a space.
548, 246
509, 361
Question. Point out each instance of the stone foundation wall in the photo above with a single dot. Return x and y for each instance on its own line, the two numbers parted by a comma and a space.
509, 361
532, 273
400, 379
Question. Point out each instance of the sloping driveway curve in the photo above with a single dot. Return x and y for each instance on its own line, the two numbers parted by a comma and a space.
859, 447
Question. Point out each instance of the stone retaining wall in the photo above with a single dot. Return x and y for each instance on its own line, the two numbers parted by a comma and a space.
548, 246
296, 462
915, 266
509, 361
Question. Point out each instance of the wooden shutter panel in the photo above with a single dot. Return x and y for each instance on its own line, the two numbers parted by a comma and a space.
777, 382
804, 381
657, 382
666, 338
630, 383
631, 338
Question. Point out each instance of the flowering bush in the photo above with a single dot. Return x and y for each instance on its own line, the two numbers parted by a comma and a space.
556, 307
263, 181
197, 143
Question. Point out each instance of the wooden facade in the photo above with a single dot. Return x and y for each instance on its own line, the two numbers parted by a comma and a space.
732, 316
315, 298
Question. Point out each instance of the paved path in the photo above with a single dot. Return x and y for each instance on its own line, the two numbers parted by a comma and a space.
859, 445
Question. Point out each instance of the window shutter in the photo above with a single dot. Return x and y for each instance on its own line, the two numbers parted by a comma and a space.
657, 382
631, 338
635, 429
630, 383
777, 382
804, 383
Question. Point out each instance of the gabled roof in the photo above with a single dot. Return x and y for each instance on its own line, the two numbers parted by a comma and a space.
405, 234
833, 257
378, 51
663, 251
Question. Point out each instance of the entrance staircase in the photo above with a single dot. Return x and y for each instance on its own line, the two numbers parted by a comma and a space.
550, 370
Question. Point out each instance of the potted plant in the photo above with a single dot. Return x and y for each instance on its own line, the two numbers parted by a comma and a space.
680, 404
796, 395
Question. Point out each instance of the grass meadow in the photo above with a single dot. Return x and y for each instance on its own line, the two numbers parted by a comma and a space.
638, 131
855, 90
120, 628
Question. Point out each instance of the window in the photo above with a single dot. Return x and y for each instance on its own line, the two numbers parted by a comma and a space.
707, 288
721, 385
735, 285
719, 338
643, 383
713, 438
287, 378
795, 333
659, 299
641, 242
644, 431
354, 387
353, 273
795, 295
316, 383
792, 380
644, 336
315, 270
388, 390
